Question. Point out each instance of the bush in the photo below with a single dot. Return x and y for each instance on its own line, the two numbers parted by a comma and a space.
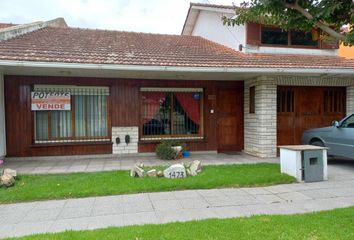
164, 150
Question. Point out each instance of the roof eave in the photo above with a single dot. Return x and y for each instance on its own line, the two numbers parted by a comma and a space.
115, 67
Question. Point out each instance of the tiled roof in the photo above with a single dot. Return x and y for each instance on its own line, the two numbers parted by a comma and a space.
71, 45
6, 25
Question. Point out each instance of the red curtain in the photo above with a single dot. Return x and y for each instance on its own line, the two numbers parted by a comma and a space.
190, 106
151, 103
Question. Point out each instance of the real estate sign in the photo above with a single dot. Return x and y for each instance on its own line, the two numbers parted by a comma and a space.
50, 101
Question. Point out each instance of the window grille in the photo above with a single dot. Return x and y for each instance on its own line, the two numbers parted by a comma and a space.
86, 121
171, 113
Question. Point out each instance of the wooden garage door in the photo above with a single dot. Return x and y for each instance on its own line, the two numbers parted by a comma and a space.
302, 108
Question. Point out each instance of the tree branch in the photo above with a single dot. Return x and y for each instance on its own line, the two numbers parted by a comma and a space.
318, 24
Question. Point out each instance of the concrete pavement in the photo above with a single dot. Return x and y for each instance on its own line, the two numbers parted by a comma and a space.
99, 212
93, 163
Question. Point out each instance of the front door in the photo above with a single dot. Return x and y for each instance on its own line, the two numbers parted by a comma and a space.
230, 120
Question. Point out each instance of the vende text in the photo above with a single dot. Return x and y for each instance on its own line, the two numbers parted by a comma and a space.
50, 106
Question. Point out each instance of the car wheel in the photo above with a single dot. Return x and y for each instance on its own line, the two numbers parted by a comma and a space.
317, 143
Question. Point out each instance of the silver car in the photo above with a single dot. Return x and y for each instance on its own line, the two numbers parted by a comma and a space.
339, 138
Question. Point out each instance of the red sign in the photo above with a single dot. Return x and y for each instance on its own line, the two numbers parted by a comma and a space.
41, 101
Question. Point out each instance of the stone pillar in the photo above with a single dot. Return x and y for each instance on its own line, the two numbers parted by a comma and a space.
2, 118
122, 147
260, 127
350, 99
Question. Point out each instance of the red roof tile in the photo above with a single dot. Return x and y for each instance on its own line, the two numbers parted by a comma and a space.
71, 45
6, 25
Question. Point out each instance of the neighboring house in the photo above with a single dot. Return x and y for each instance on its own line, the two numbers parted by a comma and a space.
128, 91
346, 51
283, 105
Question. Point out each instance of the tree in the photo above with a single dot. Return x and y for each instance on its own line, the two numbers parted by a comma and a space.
328, 15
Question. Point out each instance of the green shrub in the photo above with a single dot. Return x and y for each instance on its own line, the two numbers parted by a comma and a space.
164, 150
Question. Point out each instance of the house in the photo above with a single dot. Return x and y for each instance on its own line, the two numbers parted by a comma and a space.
70, 91
279, 106
346, 51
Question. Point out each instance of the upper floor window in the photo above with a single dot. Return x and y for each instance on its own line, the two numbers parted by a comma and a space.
302, 38
277, 36
274, 36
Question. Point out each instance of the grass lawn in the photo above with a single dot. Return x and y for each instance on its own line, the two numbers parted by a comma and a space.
335, 224
76, 185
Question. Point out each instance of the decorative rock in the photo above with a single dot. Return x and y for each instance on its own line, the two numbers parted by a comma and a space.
195, 167
152, 173
10, 172
7, 180
137, 172
141, 165
175, 171
188, 172
160, 174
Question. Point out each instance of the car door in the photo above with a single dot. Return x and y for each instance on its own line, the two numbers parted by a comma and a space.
342, 138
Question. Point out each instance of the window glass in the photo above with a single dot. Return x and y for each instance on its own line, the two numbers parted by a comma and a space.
275, 36
252, 100
171, 113
61, 124
87, 120
349, 123
90, 116
302, 38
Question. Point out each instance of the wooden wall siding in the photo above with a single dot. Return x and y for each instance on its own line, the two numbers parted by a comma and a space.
125, 111
19, 118
210, 141
253, 33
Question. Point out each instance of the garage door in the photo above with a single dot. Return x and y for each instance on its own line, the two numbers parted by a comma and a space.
302, 108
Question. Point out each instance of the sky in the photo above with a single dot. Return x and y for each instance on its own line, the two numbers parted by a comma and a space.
155, 16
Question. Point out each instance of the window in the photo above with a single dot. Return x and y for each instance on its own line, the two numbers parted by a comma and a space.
277, 36
285, 100
302, 38
252, 100
349, 122
86, 121
334, 101
171, 113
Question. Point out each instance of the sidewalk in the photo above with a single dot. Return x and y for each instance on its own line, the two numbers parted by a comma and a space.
68, 164
156, 208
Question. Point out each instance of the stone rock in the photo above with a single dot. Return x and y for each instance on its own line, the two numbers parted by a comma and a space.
175, 171
10, 172
141, 165
160, 174
195, 167
152, 173
7, 180
188, 171
136, 171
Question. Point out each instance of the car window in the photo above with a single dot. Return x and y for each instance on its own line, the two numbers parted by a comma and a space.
349, 122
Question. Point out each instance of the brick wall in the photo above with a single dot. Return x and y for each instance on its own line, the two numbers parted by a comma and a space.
122, 147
